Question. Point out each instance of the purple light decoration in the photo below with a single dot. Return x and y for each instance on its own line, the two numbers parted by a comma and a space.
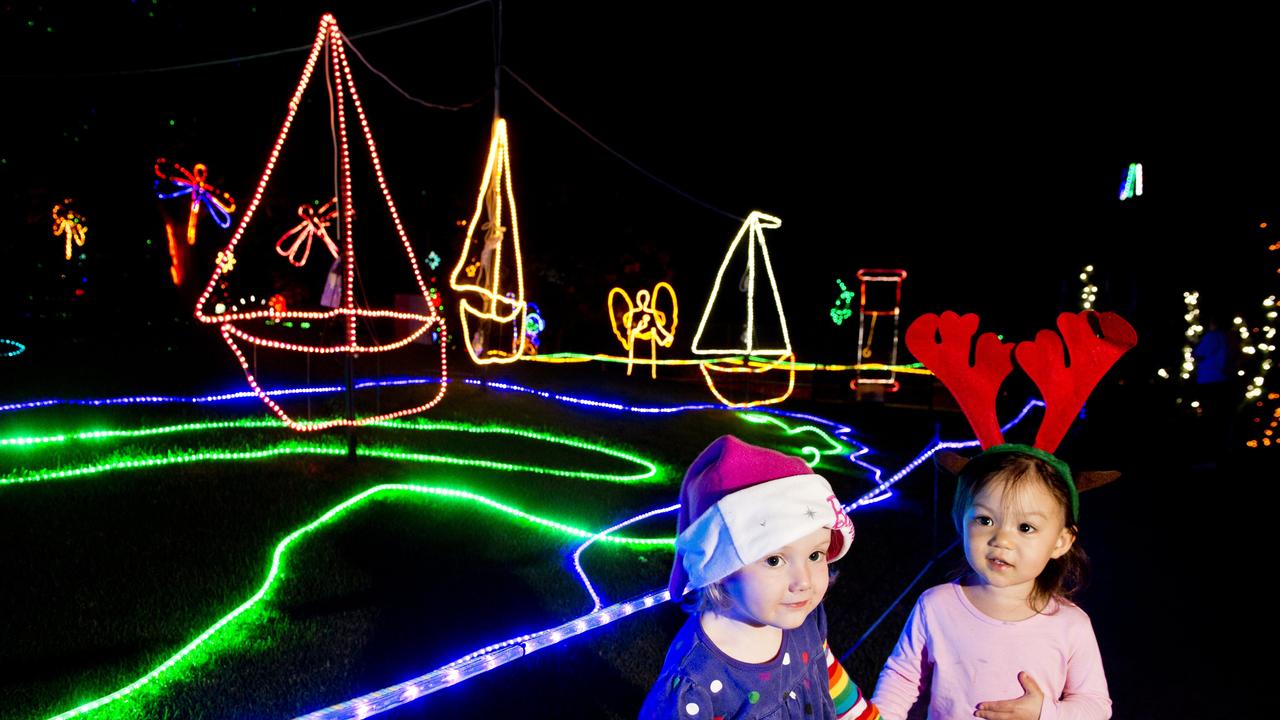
198, 195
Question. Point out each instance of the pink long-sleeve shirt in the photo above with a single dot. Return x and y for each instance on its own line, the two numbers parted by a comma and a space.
964, 657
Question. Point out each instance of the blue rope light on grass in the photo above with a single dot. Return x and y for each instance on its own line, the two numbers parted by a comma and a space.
480, 661
577, 554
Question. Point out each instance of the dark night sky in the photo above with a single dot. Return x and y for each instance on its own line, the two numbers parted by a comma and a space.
986, 163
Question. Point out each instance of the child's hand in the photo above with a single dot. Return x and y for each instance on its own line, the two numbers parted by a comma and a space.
1026, 707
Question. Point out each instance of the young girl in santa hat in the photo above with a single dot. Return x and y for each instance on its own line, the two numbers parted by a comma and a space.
756, 531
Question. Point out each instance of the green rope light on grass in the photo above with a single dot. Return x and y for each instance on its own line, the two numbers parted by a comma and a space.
13, 442
434, 425
649, 474
139, 433
277, 558
835, 447
155, 461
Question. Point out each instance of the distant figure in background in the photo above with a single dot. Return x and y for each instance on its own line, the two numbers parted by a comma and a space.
1217, 357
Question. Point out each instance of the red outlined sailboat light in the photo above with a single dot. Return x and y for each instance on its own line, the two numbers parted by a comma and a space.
247, 327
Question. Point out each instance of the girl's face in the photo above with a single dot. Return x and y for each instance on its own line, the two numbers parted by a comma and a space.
782, 588
1010, 534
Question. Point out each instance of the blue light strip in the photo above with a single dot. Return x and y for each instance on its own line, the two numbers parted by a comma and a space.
19, 348
480, 661
1126, 187
577, 554
1025, 409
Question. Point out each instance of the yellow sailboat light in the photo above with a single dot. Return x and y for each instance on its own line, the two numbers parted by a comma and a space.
487, 298
753, 230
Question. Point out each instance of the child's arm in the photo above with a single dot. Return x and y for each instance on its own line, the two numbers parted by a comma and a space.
1085, 695
906, 671
850, 703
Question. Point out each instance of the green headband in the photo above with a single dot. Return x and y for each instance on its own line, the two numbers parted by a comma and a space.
1054, 461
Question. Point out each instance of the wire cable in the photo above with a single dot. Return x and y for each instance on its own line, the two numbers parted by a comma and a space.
617, 154
898, 600
246, 58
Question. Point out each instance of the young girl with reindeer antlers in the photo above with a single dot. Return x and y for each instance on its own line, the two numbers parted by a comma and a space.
1004, 641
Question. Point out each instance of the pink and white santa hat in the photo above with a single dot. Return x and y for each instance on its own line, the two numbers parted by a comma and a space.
739, 502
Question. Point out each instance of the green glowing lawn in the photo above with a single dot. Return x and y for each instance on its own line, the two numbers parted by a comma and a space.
108, 574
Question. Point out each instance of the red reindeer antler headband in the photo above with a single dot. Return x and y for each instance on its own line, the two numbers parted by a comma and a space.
943, 344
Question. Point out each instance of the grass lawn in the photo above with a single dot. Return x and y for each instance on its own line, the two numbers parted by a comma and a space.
113, 570
110, 571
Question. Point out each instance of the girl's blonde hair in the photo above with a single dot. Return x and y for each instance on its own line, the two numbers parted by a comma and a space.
1064, 576
709, 598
